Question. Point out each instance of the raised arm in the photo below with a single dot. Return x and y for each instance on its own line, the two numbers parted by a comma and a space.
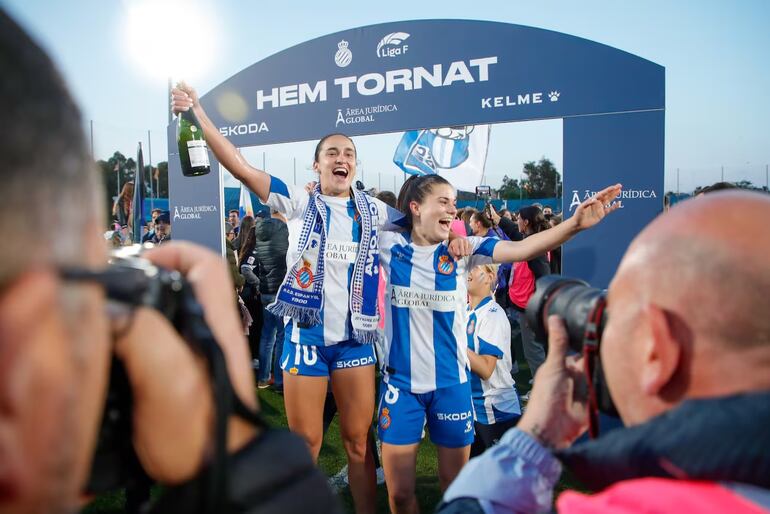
184, 97
588, 214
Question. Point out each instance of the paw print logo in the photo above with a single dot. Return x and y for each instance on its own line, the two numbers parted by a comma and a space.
554, 96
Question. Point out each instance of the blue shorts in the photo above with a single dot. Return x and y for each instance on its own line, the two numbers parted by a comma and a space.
321, 361
449, 411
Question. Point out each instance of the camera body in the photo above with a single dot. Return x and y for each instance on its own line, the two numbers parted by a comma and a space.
129, 282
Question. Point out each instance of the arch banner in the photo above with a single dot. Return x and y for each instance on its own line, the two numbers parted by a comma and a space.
417, 75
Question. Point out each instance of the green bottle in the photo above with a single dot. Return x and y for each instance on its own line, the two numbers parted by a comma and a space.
193, 151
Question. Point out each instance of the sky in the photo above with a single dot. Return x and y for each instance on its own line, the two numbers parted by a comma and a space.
714, 52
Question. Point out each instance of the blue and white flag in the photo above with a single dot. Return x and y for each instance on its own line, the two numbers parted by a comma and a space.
244, 203
458, 154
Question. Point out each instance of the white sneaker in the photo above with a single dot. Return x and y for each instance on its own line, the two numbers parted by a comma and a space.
339, 481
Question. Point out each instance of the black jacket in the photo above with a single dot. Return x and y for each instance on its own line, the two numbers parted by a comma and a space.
272, 243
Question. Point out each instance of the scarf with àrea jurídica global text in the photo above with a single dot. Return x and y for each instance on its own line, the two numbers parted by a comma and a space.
301, 295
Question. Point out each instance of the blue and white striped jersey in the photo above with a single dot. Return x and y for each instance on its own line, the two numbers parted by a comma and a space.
489, 333
426, 298
343, 235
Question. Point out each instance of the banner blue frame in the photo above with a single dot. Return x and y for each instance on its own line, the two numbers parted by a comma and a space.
433, 73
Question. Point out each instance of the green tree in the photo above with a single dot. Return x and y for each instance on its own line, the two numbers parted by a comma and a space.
512, 189
542, 178
116, 171
160, 175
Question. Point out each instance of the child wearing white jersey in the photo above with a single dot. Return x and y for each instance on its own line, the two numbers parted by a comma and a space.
425, 355
495, 400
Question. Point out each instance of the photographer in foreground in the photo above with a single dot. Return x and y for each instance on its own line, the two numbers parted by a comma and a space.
57, 337
686, 356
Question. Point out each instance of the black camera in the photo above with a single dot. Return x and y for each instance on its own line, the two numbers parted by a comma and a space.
581, 306
583, 311
129, 282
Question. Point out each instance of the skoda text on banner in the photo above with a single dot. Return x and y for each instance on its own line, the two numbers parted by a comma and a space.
456, 153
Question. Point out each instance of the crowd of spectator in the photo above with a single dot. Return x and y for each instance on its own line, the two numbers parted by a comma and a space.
685, 351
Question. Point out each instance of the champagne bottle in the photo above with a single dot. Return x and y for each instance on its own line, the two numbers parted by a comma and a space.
193, 151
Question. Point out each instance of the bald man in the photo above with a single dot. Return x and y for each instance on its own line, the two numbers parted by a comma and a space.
686, 353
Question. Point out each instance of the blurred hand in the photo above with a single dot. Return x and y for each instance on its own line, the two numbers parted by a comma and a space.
557, 412
493, 214
183, 97
310, 186
593, 210
459, 247
173, 406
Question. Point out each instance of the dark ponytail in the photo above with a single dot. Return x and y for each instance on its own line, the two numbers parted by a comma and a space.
534, 216
415, 189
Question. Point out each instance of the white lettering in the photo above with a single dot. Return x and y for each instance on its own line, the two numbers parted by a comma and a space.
414, 298
433, 79
345, 83
398, 77
379, 84
316, 94
239, 130
483, 65
288, 95
262, 98
458, 71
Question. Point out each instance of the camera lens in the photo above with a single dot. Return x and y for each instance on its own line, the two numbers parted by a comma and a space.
572, 300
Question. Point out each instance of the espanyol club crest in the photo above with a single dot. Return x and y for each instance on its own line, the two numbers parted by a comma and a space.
385, 418
343, 56
445, 265
471, 326
304, 276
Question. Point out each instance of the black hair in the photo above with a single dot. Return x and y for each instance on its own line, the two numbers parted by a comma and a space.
482, 218
415, 189
534, 216
327, 136
388, 197
235, 211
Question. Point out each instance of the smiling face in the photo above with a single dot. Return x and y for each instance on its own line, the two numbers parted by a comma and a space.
480, 280
335, 163
432, 219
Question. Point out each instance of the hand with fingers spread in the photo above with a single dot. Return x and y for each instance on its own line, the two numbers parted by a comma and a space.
593, 210
557, 412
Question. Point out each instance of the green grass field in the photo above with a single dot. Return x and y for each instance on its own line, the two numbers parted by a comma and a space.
332, 457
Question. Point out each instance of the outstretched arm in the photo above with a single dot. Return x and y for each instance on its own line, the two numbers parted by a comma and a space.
183, 98
588, 214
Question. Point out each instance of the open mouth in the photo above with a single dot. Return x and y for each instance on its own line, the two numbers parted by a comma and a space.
340, 172
445, 223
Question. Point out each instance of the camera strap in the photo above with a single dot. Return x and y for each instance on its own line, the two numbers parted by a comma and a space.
195, 330
591, 338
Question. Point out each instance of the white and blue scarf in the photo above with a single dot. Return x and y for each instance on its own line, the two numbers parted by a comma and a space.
301, 294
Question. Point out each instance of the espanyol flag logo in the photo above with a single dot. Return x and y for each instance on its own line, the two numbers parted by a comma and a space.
456, 153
